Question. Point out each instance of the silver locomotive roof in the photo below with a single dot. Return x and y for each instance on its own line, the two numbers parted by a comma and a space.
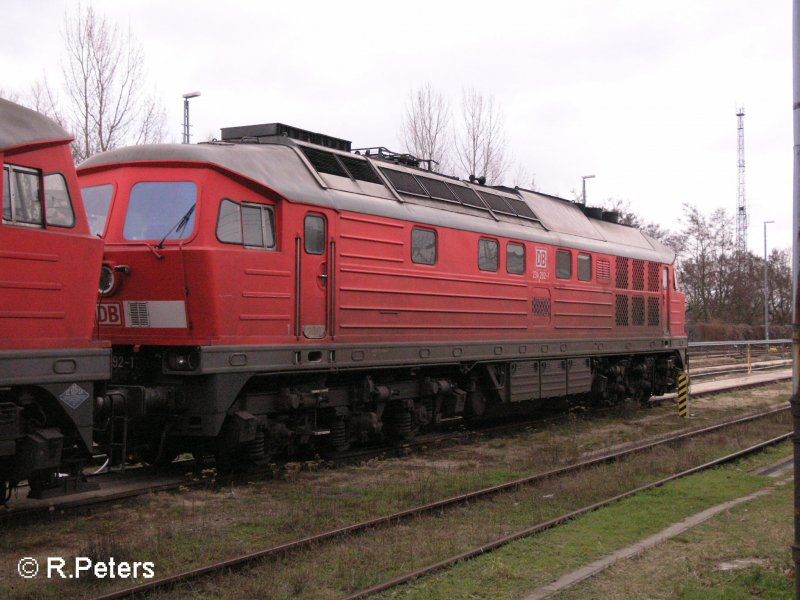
20, 126
302, 172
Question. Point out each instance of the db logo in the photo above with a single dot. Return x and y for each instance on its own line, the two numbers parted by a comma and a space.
541, 258
109, 313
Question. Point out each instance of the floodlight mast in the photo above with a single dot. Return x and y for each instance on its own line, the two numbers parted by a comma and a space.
795, 401
585, 177
186, 98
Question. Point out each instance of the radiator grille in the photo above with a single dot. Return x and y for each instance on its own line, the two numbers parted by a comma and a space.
622, 273
637, 311
653, 312
652, 277
541, 307
603, 270
638, 274
139, 314
622, 311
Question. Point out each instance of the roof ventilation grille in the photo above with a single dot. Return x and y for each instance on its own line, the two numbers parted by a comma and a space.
261, 133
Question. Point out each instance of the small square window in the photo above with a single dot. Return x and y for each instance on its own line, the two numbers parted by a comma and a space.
423, 246
487, 255
563, 264
314, 234
515, 258
584, 267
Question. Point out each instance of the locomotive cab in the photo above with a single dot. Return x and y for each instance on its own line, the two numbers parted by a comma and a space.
193, 260
49, 359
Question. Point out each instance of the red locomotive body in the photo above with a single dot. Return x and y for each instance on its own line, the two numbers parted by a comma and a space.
49, 264
260, 294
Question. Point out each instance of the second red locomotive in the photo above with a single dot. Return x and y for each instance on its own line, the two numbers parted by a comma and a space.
275, 288
50, 362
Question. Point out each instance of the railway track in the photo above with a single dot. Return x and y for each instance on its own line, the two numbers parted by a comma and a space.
736, 369
437, 507
126, 485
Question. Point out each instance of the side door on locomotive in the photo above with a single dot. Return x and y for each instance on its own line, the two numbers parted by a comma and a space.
315, 277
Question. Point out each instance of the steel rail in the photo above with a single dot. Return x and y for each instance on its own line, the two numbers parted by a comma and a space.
306, 542
539, 527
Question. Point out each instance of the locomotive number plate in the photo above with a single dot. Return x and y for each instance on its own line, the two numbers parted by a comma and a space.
122, 362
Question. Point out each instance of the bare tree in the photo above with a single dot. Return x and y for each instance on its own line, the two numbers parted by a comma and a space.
104, 82
43, 99
524, 178
480, 142
9, 95
426, 127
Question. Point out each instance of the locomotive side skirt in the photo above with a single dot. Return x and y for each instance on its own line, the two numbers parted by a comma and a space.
277, 359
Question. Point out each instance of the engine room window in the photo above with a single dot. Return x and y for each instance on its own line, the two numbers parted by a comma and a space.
57, 203
161, 210
515, 258
423, 246
563, 264
96, 201
487, 255
250, 225
584, 267
22, 196
314, 237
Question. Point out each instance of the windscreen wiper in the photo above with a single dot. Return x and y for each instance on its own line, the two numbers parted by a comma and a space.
178, 227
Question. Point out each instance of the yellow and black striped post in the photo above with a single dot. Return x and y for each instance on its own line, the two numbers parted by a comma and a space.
683, 393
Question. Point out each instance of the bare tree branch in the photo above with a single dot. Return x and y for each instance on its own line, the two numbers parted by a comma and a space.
104, 81
480, 143
425, 127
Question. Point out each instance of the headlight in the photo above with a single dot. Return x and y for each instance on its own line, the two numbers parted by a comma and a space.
183, 359
108, 280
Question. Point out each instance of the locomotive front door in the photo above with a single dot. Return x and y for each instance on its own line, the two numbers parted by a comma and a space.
313, 277
665, 299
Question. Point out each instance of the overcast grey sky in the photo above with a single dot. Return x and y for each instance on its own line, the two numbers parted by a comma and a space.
642, 94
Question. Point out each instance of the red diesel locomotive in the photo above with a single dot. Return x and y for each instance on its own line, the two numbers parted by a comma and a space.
49, 265
276, 288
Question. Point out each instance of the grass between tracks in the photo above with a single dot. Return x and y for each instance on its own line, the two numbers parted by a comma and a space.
742, 553
181, 531
689, 566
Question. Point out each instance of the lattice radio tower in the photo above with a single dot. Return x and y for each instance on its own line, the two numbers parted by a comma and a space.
741, 204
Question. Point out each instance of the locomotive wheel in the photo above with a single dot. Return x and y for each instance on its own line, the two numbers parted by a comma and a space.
476, 402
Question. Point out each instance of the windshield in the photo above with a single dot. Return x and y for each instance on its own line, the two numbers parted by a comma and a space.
96, 200
161, 210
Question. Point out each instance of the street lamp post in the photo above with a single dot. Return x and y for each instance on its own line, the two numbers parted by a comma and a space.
585, 177
766, 287
186, 98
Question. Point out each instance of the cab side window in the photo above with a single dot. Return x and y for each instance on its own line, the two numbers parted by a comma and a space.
22, 196
251, 225
57, 203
